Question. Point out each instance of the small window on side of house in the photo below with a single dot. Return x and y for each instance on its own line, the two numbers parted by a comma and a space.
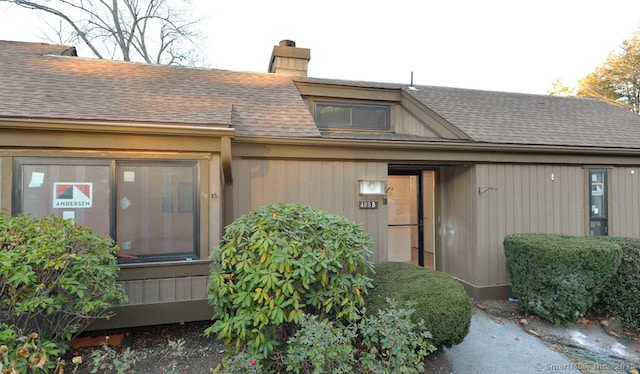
351, 116
598, 203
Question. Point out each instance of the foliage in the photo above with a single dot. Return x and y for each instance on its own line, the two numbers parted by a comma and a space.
558, 88
55, 276
26, 353
151, 31
241, 363
385, 343
617, 81
393, 342
108, 360
558, 277
620, 296
321, 347
441, 300
177, 351
280, 262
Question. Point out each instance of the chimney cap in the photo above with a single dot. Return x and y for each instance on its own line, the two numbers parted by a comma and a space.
287, 43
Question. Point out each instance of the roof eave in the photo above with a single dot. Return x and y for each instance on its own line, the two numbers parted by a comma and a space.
441, 144
140, 128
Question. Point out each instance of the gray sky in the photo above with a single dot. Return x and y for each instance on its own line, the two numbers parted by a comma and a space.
501, 45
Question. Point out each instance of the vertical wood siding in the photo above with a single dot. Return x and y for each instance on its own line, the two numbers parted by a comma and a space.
457, 222
408, 124
6, 181
524, 198
624, 201
150, 291
328, 185
211, 197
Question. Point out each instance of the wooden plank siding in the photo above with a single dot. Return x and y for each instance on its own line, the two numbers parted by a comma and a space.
6, 173
515, 198
328, 185
457, 222
624, 201
408, 124
166, 290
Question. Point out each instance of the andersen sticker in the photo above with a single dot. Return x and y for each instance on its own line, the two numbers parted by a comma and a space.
72, 195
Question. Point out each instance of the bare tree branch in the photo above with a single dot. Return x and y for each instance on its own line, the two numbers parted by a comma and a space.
153, 31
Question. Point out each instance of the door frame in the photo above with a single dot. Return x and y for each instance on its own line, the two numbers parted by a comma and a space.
417, 172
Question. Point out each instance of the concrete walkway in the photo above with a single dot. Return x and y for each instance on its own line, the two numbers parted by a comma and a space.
497, 345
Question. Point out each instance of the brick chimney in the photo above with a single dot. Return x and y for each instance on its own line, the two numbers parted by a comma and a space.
287, 59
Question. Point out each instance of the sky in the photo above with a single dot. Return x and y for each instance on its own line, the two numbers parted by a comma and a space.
496, 45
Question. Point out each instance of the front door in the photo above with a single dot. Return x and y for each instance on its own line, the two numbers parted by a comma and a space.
410, 217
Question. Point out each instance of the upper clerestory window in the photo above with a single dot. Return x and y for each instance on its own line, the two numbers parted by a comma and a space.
351, 116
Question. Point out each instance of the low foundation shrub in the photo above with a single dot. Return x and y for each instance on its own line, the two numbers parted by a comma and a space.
621, 295
28, 353
558, 277
55, 276
440, 300
388, 342
280, 262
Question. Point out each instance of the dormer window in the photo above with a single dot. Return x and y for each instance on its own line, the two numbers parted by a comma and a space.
351, 116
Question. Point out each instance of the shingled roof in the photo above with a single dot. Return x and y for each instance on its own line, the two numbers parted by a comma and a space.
513, 118
516, 118
40, 82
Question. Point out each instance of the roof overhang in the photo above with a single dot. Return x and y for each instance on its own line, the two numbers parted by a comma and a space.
458, 151
97, 127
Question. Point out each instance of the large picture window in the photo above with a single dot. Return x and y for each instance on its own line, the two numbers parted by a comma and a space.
148, 207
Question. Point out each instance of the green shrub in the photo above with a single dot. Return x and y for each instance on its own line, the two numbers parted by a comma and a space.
279, 262
621, 295
441, 300
320, 347
55, 276
393, 341
388, 342
558, 277
26, 353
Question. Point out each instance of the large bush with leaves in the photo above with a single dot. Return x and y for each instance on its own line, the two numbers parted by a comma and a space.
621, 295
558, 277
440, 300
280, 262
55, 276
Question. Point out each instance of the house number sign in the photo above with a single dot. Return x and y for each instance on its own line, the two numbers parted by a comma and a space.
368, 205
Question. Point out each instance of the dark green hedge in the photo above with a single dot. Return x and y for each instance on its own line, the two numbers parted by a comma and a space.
440, 299
620, 298
558, 277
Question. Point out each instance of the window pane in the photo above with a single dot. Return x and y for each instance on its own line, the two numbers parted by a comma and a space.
332, 115
357, 116
80, 192
598, 194
370, 117
598, 202
156, 208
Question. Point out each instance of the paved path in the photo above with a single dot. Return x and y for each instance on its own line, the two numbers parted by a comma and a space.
497, 345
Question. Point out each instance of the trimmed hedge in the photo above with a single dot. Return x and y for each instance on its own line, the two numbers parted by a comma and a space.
620, 297
558, 277
440, 300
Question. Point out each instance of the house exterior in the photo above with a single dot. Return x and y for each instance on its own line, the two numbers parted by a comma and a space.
161, 158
